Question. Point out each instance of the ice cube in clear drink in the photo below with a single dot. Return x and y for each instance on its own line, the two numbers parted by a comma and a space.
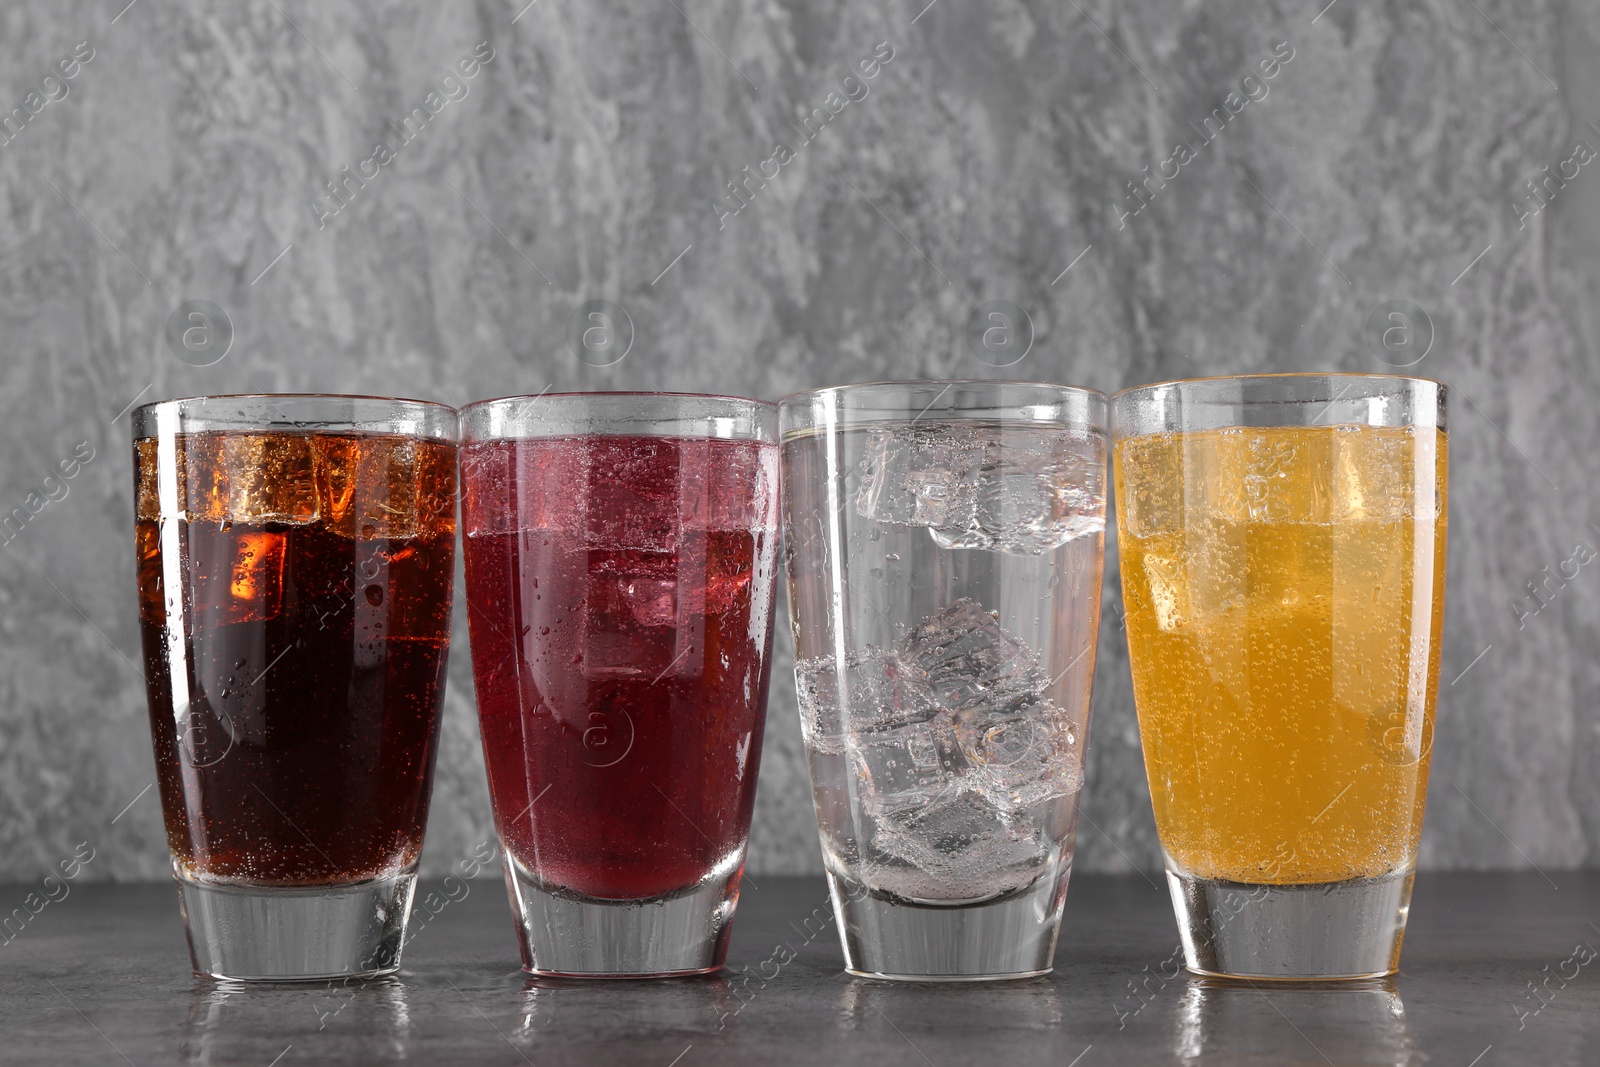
969, 658
1020, 757
879, 689
907, 767
1072, 495
821, 712
1030, 503
959, 848
920, 476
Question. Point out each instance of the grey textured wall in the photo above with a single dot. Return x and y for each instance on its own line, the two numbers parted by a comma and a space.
588, 160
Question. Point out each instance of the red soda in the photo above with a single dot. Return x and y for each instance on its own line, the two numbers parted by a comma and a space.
617, 589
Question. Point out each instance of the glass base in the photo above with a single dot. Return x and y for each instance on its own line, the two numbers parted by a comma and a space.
1010, 937
295, 934
1315, 933
564, 935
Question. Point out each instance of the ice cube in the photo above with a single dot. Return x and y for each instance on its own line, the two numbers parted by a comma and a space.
1018, 504
731, 569
387, 497
249, 566
1286, 475
1031, 503
202, 481
639, 619
920, 476
821, 716
269, 478
1021, 757
969, 536
1205, 574
959, 848
740, 480
879, 690
1074, 482
530, 485
651, 601
654, 572
1377, 472
338, 477
487, 503
1149, 476
147, 490
635, 489
969, 658
1169, 591
485, 483
152, 584
906, 768
653, 655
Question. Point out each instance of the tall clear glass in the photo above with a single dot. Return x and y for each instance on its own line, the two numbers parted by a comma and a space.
621, 553
295, 561
945, 543
1282, 540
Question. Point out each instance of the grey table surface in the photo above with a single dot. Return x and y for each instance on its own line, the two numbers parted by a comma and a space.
102, 977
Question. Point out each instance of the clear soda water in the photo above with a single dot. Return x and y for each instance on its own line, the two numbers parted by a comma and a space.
944, 648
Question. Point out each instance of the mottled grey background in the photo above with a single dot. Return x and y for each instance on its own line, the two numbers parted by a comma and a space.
587, 161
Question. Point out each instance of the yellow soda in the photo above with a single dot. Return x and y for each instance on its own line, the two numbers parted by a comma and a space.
1284, 591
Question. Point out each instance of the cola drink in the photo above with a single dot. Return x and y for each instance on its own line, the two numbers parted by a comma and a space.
294, 599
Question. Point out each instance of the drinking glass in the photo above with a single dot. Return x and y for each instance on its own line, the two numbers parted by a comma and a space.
621, 566
945, 548
1282, 540
295, 560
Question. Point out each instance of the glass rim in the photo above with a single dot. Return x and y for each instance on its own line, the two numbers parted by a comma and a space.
590, 394
618, 413
151, 411
1028, 382
1279, 374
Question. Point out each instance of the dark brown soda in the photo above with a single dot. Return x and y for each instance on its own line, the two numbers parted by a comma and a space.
295, 612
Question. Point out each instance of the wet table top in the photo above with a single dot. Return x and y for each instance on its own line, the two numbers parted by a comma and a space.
1497, 971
